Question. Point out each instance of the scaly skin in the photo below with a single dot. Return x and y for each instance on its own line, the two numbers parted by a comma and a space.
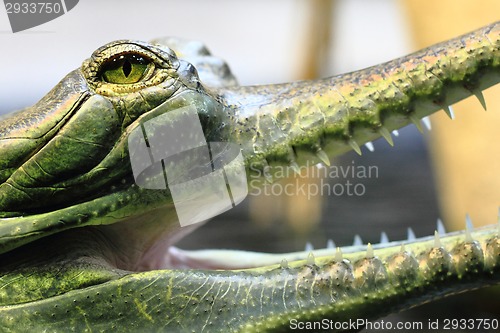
61, 217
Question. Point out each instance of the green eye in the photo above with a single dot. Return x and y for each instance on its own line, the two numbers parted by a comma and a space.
125, 69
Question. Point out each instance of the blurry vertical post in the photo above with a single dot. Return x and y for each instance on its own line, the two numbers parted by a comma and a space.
26, 14
204, 179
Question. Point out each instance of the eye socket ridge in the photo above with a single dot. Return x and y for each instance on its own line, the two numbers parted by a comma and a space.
126, 68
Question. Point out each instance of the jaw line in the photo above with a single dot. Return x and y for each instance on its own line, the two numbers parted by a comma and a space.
241, 260
227, 259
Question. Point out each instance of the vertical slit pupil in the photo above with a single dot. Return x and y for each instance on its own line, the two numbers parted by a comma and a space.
127, 68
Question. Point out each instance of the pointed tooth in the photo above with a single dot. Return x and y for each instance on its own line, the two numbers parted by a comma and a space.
479, 94
386, 135
355, 146
295, 167
269, 178
468, 236
468, 229
310, 259
411, 235
370, 147
449, 111
440, 227
395, 132
437, 241
330, 244
357, 241
292, 164
402, 249
267, 175
417, 123
320, 153
468, 222
338, 255
369, 251
309, 247
320, 165
284, 264
427, 123
383, 238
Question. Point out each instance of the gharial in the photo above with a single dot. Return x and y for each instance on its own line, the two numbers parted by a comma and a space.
86, 249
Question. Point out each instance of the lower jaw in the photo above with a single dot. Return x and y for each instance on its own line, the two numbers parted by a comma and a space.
241, 260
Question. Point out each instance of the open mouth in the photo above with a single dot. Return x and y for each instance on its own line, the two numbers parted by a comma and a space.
120, 248
163, 254
236, 259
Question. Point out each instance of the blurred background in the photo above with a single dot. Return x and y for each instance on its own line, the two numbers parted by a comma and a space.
451, 171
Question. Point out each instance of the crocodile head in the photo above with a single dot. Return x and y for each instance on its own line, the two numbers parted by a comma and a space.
87, 237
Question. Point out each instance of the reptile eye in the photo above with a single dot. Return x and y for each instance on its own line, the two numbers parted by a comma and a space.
125, 69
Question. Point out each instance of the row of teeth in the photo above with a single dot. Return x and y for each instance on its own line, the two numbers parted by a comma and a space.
440, 231
384, 239
387, 136
323, 157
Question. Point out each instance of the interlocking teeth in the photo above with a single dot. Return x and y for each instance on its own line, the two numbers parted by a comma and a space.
310, 259
440, 227
355, 146
369, 251
437, 241
330, 244
309, 247
411, 235
480, 97
320, 153
427, 123
338, 255
383, 238
357, 241
417, 123
449, 111
386, 135
369, 146
468, 229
